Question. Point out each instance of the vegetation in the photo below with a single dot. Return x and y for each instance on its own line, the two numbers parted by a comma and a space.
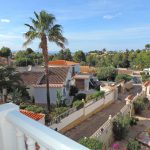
28, 57
133, 121
106, 73
5, 52
44, 28
145, 77
120, 127
133, 145
33, 108
57, 111
78, 104
91, 143
139, 106
79, 56
123, 77
80, 96
95, 95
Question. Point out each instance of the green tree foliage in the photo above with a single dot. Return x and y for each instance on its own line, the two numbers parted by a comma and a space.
106, 73
133, 145
64, 54
28, 57
123, 77
147, 46
5, 52
139, 106
79, 56
120, 127
91, 143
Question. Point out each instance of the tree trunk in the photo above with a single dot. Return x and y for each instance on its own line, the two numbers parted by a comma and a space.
43, 45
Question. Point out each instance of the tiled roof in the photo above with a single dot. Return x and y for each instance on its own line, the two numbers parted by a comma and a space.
30, 78
61, 63
57, 75
129, 97
87, 69
50, 85
146, 83
32, 115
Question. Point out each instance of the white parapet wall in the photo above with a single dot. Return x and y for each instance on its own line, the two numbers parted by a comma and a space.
18, 132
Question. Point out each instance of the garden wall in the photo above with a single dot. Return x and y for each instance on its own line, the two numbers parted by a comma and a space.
104, 133
80, 115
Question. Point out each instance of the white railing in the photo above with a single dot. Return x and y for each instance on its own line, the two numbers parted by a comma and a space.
18, 132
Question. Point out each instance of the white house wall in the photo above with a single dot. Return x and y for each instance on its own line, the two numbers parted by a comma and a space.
40, 95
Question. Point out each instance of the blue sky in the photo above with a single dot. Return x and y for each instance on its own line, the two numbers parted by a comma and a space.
87, 24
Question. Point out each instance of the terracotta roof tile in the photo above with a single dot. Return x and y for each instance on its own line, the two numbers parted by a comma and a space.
32, 115
50, 85
87, 69
57, 75
61, 63
130, 97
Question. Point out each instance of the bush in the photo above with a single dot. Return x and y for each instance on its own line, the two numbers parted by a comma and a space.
91, 143
35, 108
133, 121
133, 145
57, 111
145, 100
120, 127
73, 90
95, 95
123, 77
78, 104
23, 105
139, 106
80, 96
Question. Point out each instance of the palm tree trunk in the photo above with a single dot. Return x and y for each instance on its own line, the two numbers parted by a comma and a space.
45, 54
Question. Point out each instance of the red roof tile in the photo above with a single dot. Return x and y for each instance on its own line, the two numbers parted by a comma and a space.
32, 115
61, 63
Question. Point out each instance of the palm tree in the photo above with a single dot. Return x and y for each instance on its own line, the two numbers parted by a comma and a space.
44, 28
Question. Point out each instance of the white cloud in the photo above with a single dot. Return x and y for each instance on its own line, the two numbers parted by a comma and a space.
5, 20
111, 16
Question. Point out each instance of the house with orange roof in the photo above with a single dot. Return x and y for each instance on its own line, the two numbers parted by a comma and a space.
146, 89
59, 81
75, 67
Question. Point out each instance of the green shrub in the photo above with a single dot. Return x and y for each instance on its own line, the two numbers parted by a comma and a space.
133, 121
123, 77
23, 105
133, 145
57, 111
95, 95
91, 143
80, 96
35, 108
145, 100
139, 106
78, 104
120, 127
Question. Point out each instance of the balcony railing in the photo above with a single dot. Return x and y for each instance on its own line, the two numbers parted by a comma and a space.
18, 132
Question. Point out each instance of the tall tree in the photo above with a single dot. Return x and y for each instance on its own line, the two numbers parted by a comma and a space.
5, 52
79, 56
44, 28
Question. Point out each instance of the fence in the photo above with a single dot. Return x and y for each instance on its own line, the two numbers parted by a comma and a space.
74, 115
104, 133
